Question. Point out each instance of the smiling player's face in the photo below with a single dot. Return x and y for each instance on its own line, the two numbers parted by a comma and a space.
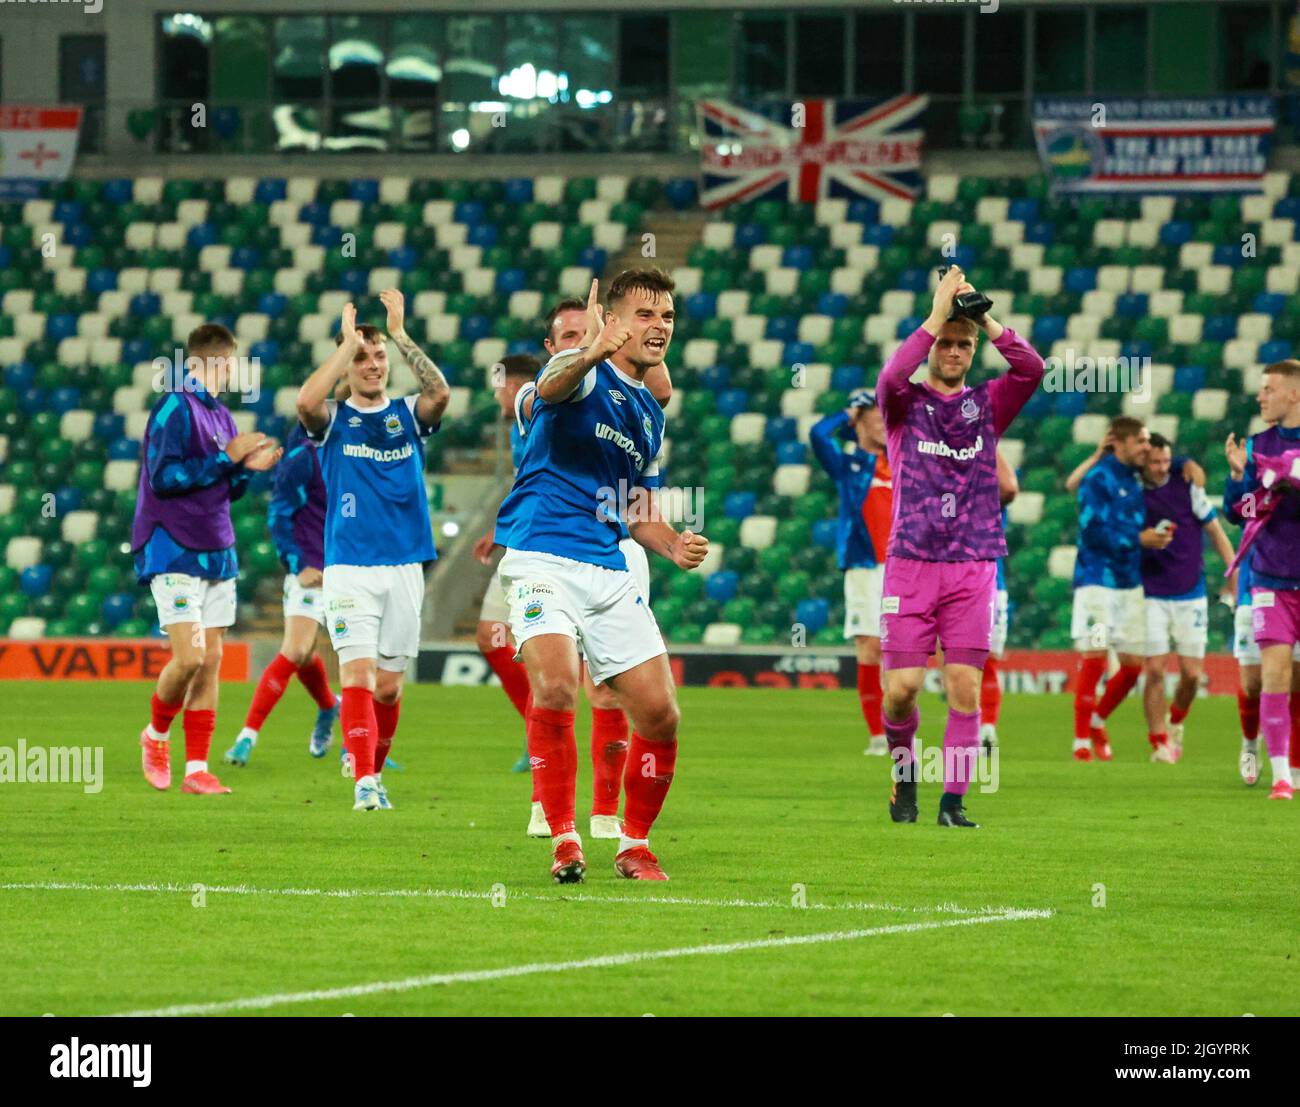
566, 331
368, 373
1157, 465
650, 318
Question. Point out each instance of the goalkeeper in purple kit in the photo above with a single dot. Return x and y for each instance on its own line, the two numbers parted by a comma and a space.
941, 564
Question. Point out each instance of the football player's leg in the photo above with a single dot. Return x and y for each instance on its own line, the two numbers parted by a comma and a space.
1155, 705
1090, 629
497, 647
200, 717
609, 748
389, 675
1275, 711
1294, 749
965, 618
552, 663
648, 693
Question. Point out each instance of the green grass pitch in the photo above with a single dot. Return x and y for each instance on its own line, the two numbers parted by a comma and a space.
773, 795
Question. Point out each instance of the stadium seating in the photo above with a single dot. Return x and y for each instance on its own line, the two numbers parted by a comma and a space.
785, 308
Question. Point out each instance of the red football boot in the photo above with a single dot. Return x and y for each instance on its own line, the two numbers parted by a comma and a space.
638, 863
155, 759
203, 784
570, 866
1100, 743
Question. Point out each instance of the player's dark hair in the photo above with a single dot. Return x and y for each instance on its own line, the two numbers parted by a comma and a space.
1289, 367
520, 366
368, 332
1125, 426
211, 338
1160, 442
653, 281
559, 309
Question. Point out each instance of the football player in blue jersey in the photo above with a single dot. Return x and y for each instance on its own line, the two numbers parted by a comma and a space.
378, 537
592, 461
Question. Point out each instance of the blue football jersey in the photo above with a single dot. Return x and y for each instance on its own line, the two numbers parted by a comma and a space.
373, 463
582, 459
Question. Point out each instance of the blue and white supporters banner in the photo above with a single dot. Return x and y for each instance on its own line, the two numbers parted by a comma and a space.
1210, 144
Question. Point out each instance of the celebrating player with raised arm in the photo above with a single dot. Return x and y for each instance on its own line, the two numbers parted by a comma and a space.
941, 567
1275, 559
195, 464
296, 516
377, 532
594, 436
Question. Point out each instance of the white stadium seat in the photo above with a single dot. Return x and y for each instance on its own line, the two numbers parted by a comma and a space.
757, 532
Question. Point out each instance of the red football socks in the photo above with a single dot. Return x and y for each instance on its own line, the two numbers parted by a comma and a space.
553, 750
312, 675
1178, 714
1091, 670
870, 696
649, 773
275, 678
1119, 686
386, 726
161, 714
990, 692
360, 729
608, 755
513, 676
1248, 711
199, 726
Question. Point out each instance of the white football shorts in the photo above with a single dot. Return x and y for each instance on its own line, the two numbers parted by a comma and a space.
602, 610
1182, 624
1108, 618
305, 603
181, 598
374, 611
862, 591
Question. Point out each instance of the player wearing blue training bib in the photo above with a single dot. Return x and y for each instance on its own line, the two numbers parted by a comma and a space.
377, 532
592, 460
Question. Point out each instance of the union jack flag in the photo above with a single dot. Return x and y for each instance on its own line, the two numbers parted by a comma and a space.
810, 149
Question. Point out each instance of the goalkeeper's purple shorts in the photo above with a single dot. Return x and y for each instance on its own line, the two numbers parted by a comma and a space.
930, 603
1275, 616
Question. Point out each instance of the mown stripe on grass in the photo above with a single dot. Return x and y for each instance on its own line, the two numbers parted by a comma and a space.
410, 983
462, 893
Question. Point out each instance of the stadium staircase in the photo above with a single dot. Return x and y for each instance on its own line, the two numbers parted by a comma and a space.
762, 286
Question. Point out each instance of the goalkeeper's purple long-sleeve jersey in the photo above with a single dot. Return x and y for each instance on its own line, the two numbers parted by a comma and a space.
943, 452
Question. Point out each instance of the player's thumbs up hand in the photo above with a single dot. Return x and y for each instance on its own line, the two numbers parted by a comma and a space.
689, 550
612, 337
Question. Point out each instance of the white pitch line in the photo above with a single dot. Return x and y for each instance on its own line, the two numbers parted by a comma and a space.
410, 983
459, 893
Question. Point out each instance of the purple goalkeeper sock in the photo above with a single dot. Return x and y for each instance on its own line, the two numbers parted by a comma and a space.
899, 736
1275, 721
961, 745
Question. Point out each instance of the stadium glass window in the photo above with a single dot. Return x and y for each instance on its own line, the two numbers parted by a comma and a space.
1119, 52
184, 78
1060, 51
702, 50
82, 81
819, 55
241, 80
938, 38
529, 82
643, 56
878, 54
414, 74
358, 118
585, 117
762, 59
1000, 53
472, 64
1246, 41
298, 81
